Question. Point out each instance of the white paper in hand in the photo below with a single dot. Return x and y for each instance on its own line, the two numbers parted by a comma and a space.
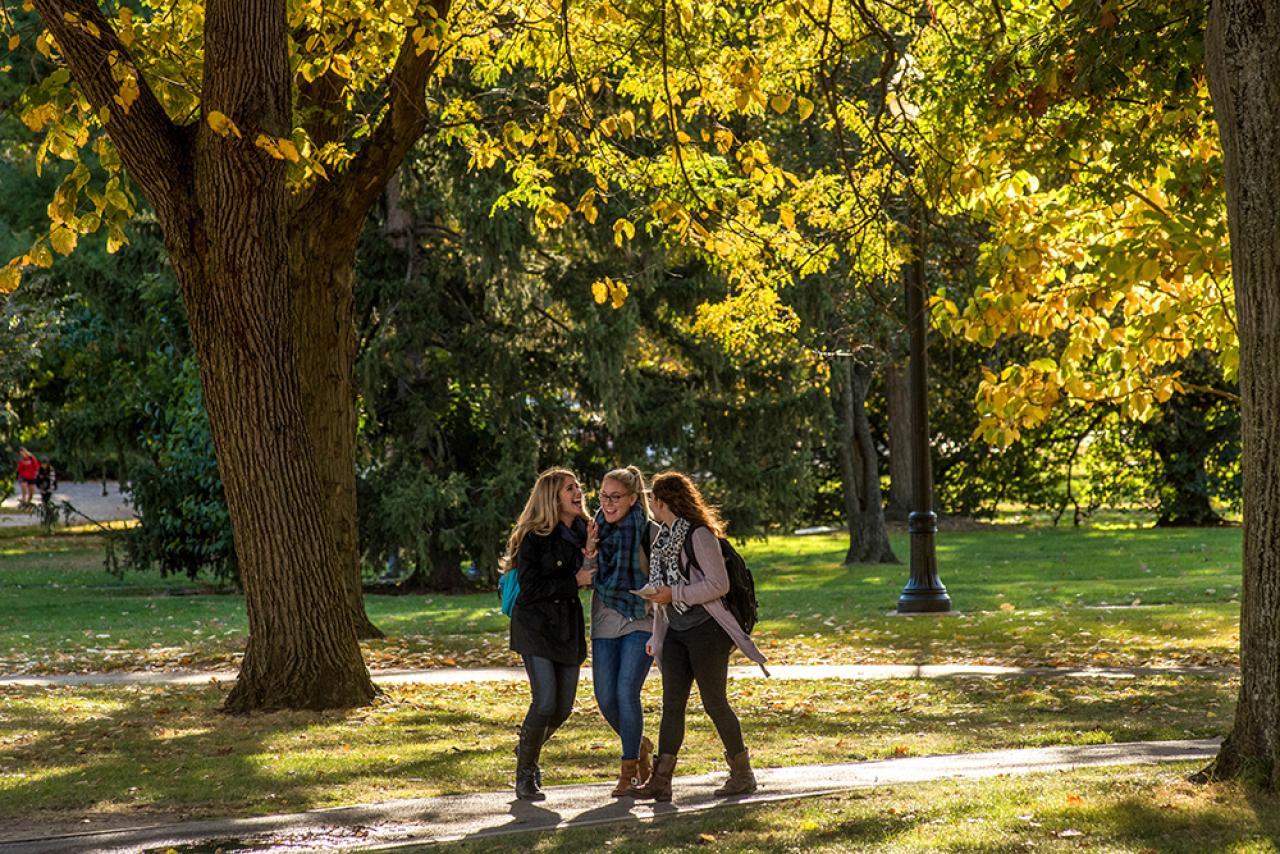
646, 592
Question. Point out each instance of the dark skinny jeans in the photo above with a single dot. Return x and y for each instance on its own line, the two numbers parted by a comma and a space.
700, 654
553, 686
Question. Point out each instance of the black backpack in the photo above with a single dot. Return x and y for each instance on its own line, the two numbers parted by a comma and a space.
741, 598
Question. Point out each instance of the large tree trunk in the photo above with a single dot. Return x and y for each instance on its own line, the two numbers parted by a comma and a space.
324, 278
1244, 80
859, 468
228, 221
302, 649
898, 412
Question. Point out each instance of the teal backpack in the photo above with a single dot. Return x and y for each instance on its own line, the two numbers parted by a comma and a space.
509, 590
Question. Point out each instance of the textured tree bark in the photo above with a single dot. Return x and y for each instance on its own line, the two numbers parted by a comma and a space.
1242, 49
859, 468
302, 649
898, 398
324, 293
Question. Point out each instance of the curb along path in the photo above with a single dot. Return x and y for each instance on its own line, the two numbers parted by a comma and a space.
461, 676
406, 823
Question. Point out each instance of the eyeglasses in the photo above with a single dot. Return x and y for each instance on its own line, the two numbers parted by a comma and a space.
614, 498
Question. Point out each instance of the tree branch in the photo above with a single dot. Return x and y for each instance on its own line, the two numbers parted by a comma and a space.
343, 202
153, 149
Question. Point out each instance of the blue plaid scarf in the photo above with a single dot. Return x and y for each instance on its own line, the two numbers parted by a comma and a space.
621, 568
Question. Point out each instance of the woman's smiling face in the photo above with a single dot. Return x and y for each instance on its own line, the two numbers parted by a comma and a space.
615, 501
571, 498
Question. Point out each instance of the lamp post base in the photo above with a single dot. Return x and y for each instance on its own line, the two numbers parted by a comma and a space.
925, 593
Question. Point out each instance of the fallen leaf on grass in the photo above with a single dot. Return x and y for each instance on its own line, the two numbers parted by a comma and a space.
1074, 800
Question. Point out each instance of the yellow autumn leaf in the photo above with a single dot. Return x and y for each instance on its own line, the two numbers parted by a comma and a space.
623, 230
805, 106
288, 149
787, 216
780, 103
599, 291
10, 277
15, 42
63, 240
341, 65
271, 145
222, 124
618, 293
129, 93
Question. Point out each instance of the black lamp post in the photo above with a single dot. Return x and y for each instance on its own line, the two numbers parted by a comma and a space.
925, 592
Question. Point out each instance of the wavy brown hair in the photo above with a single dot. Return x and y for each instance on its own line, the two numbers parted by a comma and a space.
678, 491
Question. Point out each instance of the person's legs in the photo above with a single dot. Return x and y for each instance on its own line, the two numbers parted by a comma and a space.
633, 667
566, 687
542, 689
542, 710
709, 662
605, 658
677, 680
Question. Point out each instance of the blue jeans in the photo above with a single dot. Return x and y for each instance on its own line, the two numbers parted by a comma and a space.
618, 669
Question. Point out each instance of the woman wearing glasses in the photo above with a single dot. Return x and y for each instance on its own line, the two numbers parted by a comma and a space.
619, 624
546, 551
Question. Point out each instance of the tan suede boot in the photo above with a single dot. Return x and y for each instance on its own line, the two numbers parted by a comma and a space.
658, 786
627, 778
645, 768
742, 781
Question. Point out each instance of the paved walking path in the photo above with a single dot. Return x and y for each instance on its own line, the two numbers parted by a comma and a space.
459, 676
87, 498
408, 823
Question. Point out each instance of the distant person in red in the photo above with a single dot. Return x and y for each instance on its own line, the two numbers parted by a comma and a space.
28, 471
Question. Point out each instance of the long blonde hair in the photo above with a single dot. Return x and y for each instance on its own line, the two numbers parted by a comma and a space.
632, 479
541, 512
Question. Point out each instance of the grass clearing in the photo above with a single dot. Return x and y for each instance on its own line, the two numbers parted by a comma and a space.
1144, 810
1025, 596
147, 752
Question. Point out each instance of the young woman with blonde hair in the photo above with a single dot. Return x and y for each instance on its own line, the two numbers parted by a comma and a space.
546, 551
693, 632
620, 627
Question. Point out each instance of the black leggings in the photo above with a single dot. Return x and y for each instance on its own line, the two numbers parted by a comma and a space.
701, 655
553, 686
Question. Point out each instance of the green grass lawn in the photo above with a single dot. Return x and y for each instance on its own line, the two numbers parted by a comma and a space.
1141, 810
1025, 595
162, 751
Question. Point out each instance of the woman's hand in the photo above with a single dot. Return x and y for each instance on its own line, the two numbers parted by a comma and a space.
593, 539
648, 648
662, 596
584, 577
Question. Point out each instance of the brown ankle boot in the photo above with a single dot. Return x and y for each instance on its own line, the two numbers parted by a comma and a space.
645, 768
627, 778
742, 781
658, 786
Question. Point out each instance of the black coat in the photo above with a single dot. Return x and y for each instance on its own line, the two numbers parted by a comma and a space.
547, 620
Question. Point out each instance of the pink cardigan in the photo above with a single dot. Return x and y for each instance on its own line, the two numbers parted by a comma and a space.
705, 588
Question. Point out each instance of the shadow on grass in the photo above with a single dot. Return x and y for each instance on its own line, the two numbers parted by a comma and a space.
1167, 826
143, 751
